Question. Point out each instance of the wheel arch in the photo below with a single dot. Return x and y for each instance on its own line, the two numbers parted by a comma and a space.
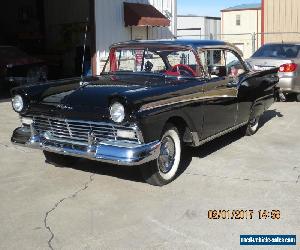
153, 123
183, 127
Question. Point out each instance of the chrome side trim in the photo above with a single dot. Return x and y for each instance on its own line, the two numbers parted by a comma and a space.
237, 113
213, 94
201, 142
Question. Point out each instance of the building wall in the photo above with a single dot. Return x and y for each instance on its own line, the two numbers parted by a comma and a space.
110, 27
240, 35
210, 27
187, 22
281, 16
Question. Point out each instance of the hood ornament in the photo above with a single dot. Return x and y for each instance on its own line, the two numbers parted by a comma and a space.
63, 106
83, 83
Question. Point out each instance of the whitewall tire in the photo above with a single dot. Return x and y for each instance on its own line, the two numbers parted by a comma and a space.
252, 126
164, 170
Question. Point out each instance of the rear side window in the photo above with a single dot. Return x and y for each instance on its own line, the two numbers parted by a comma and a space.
278, 50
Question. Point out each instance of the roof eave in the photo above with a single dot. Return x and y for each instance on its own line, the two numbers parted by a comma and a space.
230, 10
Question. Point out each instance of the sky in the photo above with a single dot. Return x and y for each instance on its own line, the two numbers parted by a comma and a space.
208, 7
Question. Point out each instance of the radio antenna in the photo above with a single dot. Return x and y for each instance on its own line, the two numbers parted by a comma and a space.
84, 49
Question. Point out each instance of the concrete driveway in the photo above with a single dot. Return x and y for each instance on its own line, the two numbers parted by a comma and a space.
97, 206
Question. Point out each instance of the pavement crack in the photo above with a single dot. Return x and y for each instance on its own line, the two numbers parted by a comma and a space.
298, 179
57, 204
239, 178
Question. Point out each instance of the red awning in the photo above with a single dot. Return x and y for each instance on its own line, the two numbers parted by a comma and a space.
136, 14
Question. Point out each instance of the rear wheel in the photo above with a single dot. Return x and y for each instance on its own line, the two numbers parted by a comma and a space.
252, 126
58, 159
164, 170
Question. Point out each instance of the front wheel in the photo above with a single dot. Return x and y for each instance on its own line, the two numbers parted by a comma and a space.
298, 97
164, 170
252, 126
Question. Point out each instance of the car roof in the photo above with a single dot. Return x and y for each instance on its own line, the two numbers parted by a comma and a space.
175, 42
195, 44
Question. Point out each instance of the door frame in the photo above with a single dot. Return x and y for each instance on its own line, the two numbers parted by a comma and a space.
92, 24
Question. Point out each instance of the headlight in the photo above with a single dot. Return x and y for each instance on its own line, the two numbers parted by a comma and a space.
18, 103
117, 112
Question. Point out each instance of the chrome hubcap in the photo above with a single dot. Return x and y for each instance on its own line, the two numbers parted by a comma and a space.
167, 155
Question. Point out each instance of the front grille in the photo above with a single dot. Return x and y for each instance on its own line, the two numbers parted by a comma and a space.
80, 131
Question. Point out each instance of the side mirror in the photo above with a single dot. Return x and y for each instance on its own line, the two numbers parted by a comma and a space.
216, 70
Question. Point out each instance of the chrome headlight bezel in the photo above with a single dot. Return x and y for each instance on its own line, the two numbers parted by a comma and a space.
18, 103
117, 112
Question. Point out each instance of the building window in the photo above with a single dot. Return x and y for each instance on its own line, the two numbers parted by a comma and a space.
238, 20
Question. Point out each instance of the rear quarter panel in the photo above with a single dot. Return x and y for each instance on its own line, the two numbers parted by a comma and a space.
256, 93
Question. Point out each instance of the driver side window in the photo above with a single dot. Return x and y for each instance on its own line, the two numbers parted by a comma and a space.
234, 66
215, 62
222, 63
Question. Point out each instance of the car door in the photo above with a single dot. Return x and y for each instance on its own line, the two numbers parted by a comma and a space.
220, 91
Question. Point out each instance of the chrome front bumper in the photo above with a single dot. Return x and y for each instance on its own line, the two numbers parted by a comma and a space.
115, 152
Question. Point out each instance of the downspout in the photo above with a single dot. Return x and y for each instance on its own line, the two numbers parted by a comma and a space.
175, 17
92, 23
262, 22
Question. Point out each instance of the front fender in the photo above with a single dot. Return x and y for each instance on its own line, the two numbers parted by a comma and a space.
152, 122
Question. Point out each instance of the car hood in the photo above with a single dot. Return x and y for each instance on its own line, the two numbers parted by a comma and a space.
69, 98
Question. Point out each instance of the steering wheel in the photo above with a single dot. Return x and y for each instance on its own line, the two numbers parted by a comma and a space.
183, 69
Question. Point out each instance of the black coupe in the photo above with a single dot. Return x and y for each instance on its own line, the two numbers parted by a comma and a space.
152, 98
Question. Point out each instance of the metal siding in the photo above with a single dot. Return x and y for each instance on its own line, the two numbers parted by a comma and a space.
186, 22
282, 16
241, 35
212, 28
110, 28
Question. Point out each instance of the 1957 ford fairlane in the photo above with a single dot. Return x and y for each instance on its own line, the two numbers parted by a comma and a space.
152, 98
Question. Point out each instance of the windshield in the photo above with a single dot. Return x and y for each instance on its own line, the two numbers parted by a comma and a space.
278, 50
173, 62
